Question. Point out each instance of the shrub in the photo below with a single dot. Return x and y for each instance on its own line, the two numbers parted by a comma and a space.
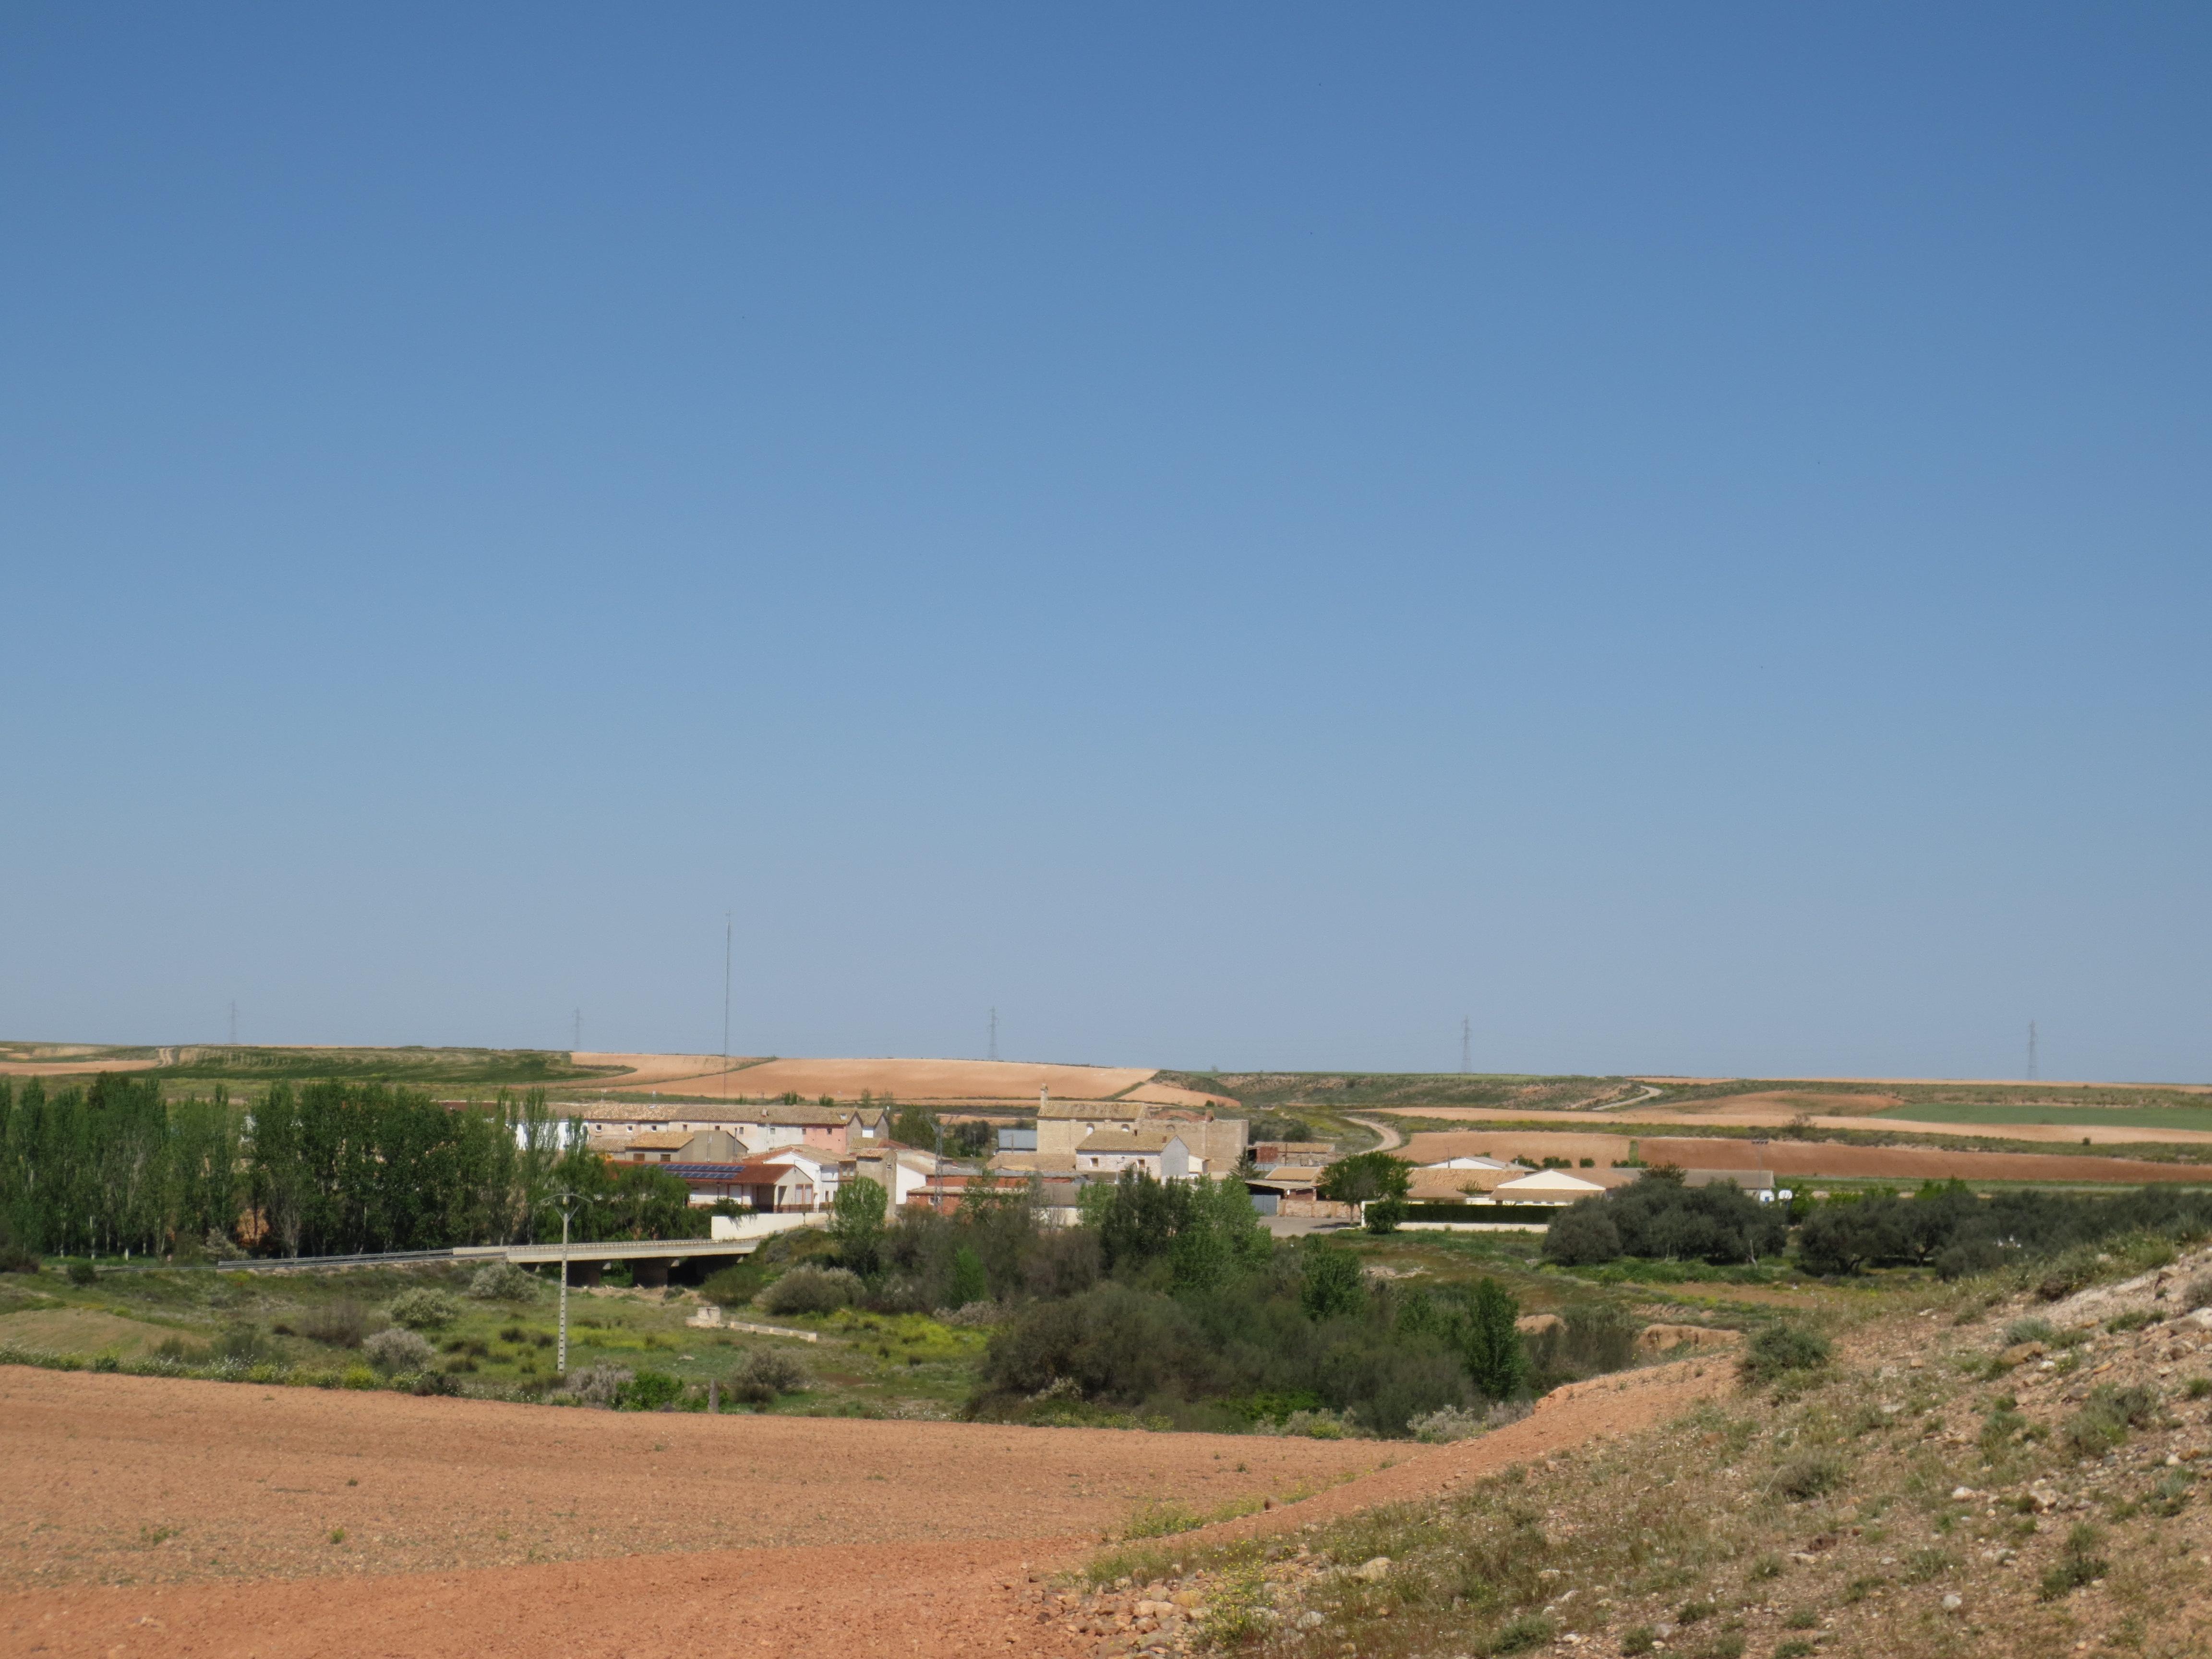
2105, 1418
399, 1350
423, 1308
596, 1385
2077, 1565
648, 1391
335, 1324
2031, 1329
1809, 1475
764, 1373
1590, 1339
806, 1290
435, 1383
1384, 1215
82, 1272
1782, 1349
502, 1281
735, 1286
1530, 1630
1585, 1236
2198, 1295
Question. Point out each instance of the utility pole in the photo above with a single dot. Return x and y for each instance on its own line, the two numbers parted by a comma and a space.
1466, 1045
567, 1201
2030, 1050
995, 1034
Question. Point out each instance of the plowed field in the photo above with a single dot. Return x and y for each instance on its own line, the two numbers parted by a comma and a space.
152, 1517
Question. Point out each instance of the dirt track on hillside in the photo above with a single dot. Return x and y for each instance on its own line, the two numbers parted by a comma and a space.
651, 1535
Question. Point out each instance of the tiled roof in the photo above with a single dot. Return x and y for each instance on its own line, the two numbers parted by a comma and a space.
1123, 1141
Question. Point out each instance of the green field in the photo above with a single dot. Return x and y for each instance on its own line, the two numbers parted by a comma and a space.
2118, 1117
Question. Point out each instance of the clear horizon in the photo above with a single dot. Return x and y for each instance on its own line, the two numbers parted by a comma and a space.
1248, 536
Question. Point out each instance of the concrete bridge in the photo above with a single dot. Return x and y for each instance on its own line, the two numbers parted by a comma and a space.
649, 1259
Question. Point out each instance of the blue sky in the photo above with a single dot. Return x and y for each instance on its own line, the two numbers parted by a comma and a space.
1238, 535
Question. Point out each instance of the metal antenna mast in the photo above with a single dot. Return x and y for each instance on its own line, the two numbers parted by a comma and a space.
1466, 1045
2030, 1049
995, 1034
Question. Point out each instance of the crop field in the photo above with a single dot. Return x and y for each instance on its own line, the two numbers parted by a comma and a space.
2194, 1119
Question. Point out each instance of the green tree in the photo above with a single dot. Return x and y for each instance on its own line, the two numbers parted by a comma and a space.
1367, 1175
1331, 1284
970, 1283
1490, 1341
856, 1223
916, 1126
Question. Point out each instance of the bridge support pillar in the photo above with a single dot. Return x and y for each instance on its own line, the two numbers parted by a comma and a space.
650, 1273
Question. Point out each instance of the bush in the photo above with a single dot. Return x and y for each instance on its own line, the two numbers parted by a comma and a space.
2105, 1418
502, 1281
1584, 1236
735, 1286
1366, 1175
1530, 1630
435, 1383
1589, 1340
764, 1373
806, 1290
1384, 1215
1809, 1475
2198, 1295
596, 1385
2030, 1330
82, 1272
335, 1324
1782, 1349
648, 1391
423, 1308
399, 1350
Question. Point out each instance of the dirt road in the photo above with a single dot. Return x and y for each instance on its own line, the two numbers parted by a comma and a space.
480, 1527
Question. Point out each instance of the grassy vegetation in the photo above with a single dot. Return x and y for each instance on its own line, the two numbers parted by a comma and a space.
1887, 1495
463, 1067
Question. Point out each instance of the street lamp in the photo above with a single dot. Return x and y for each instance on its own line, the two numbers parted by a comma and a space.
568, 1201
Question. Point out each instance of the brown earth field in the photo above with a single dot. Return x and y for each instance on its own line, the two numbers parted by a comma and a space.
1806, 1158
844, 1079
1757, 1117
153, 1517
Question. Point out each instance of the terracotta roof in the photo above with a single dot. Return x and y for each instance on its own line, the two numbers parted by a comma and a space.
1123, 1141
1044, 1164
1295, 1173
660, 1140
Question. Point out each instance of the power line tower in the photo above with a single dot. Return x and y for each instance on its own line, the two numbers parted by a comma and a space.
2030, 1050
995, 1034
1466, 1045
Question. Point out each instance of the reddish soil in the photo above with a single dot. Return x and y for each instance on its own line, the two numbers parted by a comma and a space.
844, 1079
1809, 1157
1777, 1117
483, 1527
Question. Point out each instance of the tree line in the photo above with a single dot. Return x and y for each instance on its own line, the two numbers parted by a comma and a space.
315, 1168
